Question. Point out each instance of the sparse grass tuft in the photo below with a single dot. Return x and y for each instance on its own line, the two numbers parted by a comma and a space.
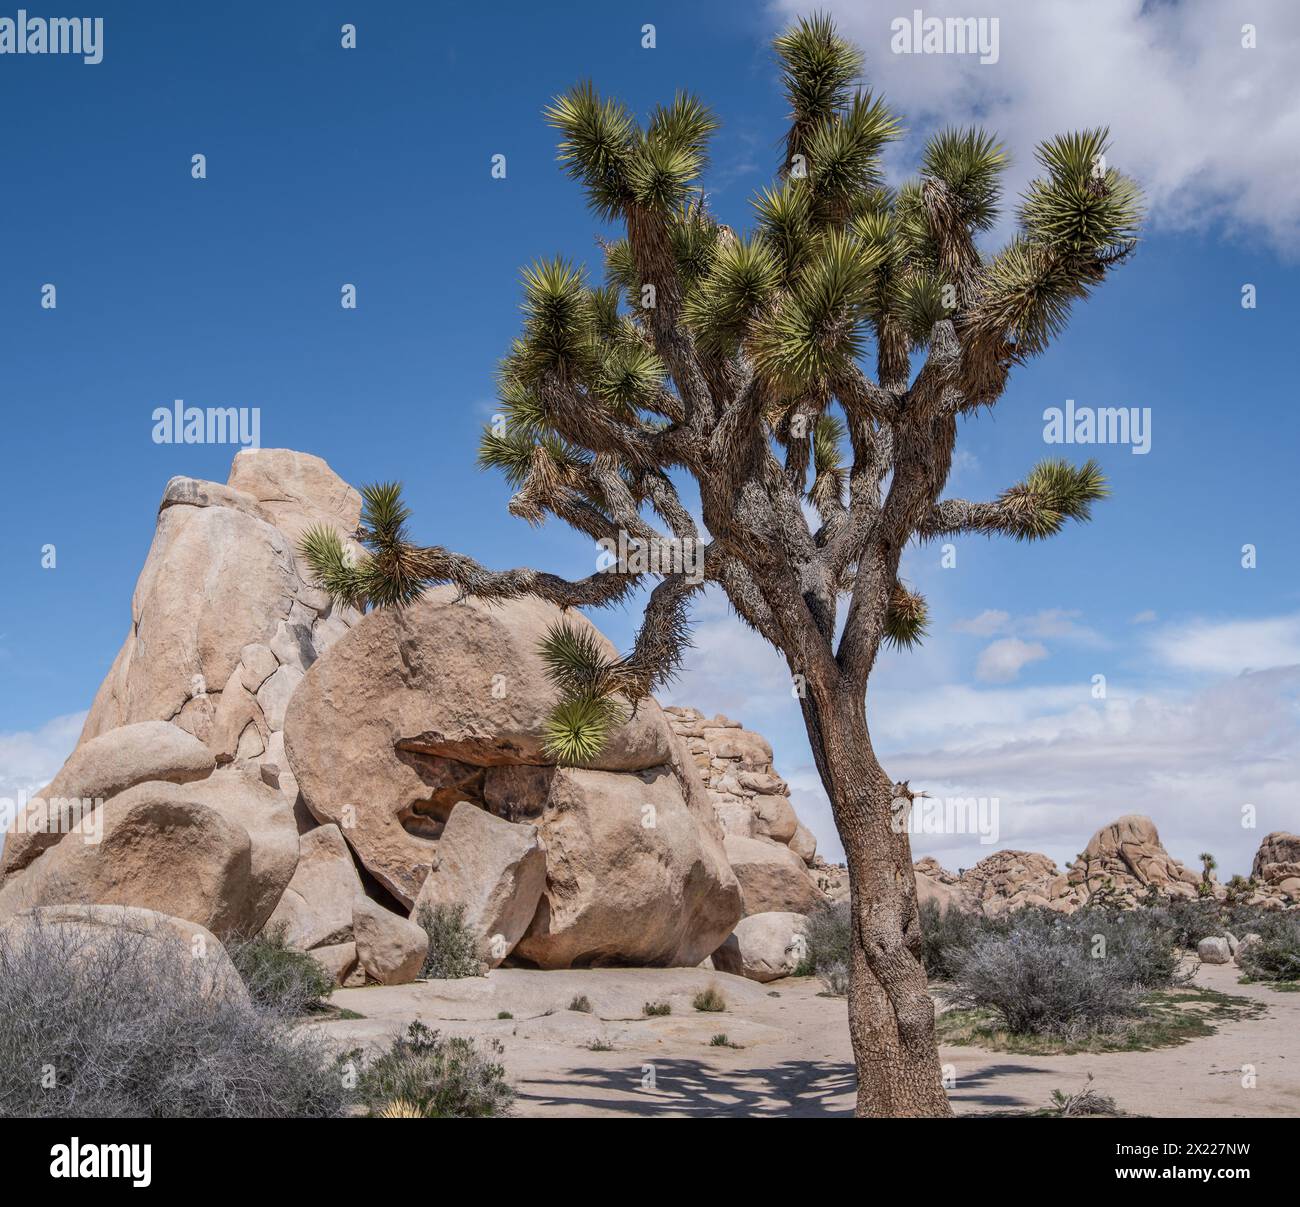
581, 1003
709, 1001
655, 1009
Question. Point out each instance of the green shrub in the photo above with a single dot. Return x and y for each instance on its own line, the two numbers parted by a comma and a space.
440, 1078
946, 936
453, 948
504, 1014
709, 1001
828, 938
277, 976
129, 1026
721, 1041
1192, 921
651, 1009
1139, 944
1275, 955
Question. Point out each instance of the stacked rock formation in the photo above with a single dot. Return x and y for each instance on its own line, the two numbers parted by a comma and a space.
767, 845
257, 757
1276, 869
770, 850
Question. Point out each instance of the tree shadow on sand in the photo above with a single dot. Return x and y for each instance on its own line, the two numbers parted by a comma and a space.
692, 1089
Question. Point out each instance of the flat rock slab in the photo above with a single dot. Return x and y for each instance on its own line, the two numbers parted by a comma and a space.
614, 993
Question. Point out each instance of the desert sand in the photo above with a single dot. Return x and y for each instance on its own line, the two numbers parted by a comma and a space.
794, 1058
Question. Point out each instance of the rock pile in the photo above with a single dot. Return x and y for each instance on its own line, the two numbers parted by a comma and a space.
768, 847
259, 758
1124, 862
1277, 864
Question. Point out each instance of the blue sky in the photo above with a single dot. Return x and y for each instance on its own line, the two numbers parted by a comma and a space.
372, 166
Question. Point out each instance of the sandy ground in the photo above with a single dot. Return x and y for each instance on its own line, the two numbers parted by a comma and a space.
794, 1059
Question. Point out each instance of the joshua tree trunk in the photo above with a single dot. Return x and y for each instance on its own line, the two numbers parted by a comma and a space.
891, 1014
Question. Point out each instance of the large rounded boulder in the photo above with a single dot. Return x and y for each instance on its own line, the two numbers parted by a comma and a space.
400, 719
630, 877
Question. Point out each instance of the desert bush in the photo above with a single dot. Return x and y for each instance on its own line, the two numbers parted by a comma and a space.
1240, 919
835, 978
1192, 921
709, 1001
436, 1077
1275, 955
127, 1025
453, 948
1140, 945
278, 977
828, 939
946, 936
1040, 978
651, 1009
581, 1003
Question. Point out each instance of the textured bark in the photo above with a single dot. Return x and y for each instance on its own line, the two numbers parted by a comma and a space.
891, 1014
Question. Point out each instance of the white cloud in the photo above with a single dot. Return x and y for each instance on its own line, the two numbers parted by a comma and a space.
1148, 616
1190, 753
987, 623
1059, 623
1003, 660
29, 759
1061, 768
1230, 647
1209, 128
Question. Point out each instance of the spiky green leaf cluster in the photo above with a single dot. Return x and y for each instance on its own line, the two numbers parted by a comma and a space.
622, 165
817, 69
389, 574
969, 163
587, 680
907, 618
1054, 491
1082, 206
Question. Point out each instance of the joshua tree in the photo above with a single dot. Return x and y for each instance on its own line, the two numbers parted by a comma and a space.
735, 365
1208, 864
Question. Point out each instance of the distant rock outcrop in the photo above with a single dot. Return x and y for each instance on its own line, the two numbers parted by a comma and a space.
1124, 863
1277, 864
